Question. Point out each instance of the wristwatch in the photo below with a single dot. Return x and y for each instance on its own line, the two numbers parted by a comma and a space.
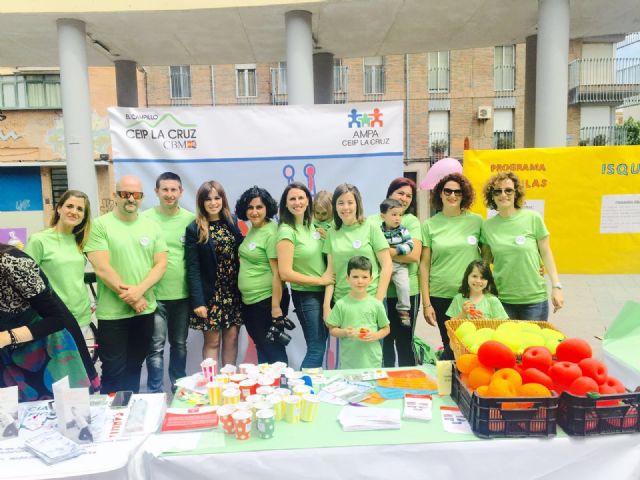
558, 286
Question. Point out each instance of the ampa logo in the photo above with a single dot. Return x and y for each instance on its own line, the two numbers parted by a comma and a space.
361, 120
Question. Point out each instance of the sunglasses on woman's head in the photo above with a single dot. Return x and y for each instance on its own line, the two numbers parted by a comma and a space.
450, 191
126, 195
499, 191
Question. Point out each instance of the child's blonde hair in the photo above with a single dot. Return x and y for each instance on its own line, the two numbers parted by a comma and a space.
323, 202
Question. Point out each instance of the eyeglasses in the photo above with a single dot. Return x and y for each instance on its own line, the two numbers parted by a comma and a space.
450, 191
499, 191
126, 195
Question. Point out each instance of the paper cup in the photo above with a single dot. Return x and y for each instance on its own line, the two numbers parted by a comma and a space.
294, 382
231, 397
244, 367
208, 366
228, 369
242, 422
277, 404
246, 407
301, 390
283, 392
309, 407
253, 399
265, 390
222, 378
225, 418
215, 393
247, 388
292, 409
265, 423
268, 381
237, 378
291, 374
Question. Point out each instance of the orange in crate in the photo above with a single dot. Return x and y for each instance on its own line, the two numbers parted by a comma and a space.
467, 362
479, 376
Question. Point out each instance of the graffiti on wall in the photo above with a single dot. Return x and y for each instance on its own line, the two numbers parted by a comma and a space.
54, 137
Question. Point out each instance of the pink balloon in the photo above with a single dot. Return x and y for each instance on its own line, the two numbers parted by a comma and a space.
439, 170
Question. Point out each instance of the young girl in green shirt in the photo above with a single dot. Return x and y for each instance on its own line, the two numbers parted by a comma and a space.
477, 297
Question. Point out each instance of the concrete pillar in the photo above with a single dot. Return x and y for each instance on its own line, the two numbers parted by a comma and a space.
76, 109
530, 91
299, 57
323, 77
126, 83
552, 67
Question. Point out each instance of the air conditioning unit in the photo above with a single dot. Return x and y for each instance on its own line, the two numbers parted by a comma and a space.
484, 113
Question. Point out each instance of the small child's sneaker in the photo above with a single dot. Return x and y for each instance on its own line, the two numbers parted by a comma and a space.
405, 318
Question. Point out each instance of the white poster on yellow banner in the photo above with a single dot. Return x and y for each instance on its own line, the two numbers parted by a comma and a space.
589, 198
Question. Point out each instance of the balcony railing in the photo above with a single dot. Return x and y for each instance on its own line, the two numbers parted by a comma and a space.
504, 79
279, 95
604, 80
503, 140
438, 146
340, 84
600, 136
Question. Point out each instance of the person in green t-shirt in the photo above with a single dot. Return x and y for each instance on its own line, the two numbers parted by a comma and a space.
58, 252
353, 236
322, 213
172, 294
400, 339
302, 264
359, 320
129, 256
450, 243
477, 296
258, 279
516, 240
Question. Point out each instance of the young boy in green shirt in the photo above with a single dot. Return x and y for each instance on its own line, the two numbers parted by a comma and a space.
359, 320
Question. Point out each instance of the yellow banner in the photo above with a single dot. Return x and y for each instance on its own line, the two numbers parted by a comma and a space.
589, 198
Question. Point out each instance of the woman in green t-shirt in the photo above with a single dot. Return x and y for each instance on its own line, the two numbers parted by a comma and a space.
301, 263
353, 236
449, 244
516, 240
258, 279
58, 252
400, 338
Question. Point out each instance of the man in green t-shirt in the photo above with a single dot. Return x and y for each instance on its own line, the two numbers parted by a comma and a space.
172, 314
129, 257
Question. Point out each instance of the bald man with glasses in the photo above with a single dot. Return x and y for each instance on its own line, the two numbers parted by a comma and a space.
129, 256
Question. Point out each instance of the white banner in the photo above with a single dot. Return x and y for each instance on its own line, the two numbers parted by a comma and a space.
269, 146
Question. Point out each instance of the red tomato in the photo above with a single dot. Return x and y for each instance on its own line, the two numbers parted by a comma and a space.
537, 357
533, 375
563, 374
583, 385
496, 355
573, 350
594, 368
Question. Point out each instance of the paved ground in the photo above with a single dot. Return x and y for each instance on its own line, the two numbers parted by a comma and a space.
591, 304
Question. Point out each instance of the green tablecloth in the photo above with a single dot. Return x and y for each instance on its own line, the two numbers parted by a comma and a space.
325, 431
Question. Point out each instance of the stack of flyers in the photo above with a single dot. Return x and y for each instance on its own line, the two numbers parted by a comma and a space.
52, 447
8, 412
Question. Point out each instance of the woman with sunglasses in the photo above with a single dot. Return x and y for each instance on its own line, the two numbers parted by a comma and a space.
450, 242
516, 240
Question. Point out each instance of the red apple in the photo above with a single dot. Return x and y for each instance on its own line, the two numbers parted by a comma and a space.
615, 384
496, 355
533, 375
595, 369
605, 389
537, 357
583, 385
573, 350
563, 374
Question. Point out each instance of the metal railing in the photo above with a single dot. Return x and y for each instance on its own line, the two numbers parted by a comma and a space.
180, 84
374, 81
504, 79
629, 40
438, 145
503, 139
340, 84
605, 135
603, 80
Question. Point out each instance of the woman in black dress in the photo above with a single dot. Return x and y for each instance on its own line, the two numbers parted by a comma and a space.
211, 251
